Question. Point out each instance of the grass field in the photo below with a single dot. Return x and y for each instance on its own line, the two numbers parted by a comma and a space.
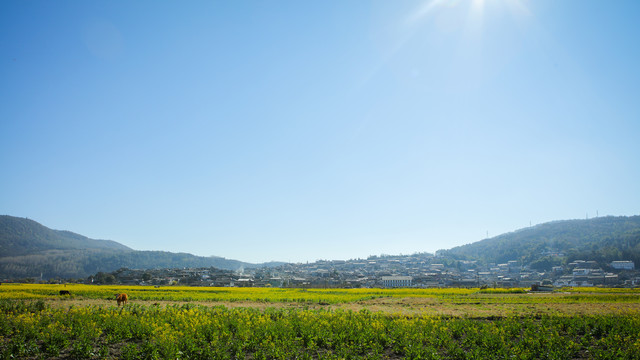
271, 323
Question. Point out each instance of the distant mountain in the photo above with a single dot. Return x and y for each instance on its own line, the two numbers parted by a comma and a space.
20, 236
602, 239
29, 249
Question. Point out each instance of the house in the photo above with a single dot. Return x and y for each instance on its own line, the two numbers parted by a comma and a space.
244, 283
581, 272
623, 265
396, 281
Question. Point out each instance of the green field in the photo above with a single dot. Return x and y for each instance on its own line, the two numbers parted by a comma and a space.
258, 323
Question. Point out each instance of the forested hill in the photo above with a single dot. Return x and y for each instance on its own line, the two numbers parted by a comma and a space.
29, 249
602, 239
20, 236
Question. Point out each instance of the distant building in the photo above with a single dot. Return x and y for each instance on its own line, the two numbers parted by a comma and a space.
623, 265
396, 281
244, 283
581, 272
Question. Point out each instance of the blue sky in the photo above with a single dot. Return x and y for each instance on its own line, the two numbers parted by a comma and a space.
302, 130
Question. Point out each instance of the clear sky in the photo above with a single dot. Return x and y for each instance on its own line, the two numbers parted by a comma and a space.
306, 130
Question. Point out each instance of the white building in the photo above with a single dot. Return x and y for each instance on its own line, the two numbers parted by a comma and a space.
581, 272
396, 281
623, 265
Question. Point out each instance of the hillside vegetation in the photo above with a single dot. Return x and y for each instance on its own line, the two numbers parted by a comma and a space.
20, 236
603, 239
31, 250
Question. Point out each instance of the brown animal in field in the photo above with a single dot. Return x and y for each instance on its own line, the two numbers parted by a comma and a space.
122, 299
65, 292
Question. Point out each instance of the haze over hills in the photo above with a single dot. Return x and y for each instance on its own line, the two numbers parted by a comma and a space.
29, 249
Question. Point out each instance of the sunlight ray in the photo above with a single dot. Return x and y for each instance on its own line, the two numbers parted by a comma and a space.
423, 11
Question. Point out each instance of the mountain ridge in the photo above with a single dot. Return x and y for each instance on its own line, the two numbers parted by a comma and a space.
22, 236
602, 239
29, 249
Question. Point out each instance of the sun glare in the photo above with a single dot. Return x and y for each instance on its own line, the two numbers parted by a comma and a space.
515, 7
477, 6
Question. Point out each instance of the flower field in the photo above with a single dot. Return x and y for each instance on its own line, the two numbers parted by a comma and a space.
270, 295
158, 323
296, 295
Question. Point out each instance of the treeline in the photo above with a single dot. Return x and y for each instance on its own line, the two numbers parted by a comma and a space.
82, 263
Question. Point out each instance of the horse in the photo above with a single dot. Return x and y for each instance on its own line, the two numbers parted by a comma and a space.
122, 299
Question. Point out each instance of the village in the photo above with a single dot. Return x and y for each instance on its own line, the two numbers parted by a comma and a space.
418, 271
